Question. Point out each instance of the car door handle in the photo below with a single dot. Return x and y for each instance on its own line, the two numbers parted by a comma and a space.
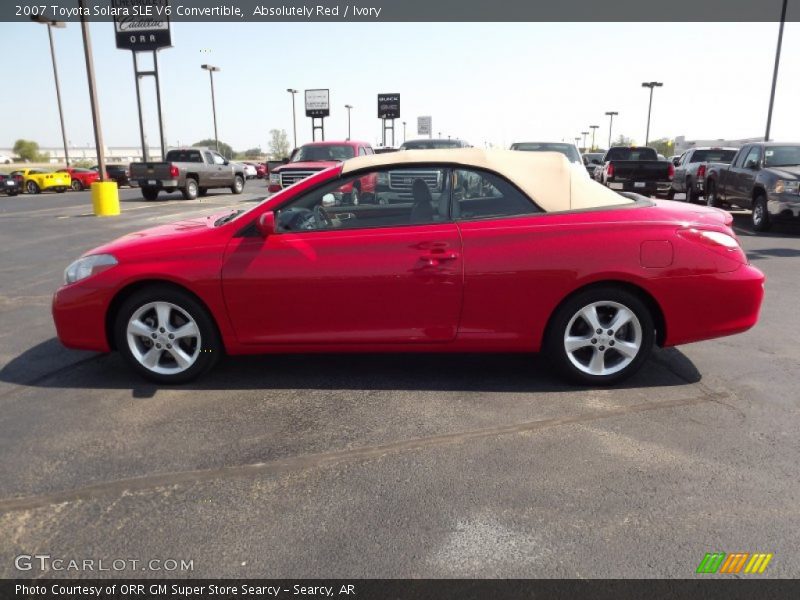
434, 258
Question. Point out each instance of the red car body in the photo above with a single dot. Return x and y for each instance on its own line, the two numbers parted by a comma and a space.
363, 291
82, 178
367, 185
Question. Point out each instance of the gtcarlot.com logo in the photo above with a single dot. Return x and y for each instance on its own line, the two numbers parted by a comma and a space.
738, 562
46, 562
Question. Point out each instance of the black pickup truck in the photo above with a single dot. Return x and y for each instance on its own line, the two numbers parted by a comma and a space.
764, 177
635, 169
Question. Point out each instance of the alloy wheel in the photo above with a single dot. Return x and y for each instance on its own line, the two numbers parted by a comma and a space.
163, 338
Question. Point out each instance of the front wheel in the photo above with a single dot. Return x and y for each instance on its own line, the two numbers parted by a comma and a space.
238, 185
761, 220
600, 336
166, 335
691, 196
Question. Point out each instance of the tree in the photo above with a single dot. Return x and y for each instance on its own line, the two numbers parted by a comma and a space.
27, 150
252, 153
224, 148
278, 144
623, 141
664, 146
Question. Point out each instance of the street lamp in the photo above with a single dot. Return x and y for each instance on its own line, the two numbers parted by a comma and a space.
58, 25
584, 134
775, 72
211, 69
611, 114
594, 129
651, 85
294, 115
577, 141
404, 132
349, 108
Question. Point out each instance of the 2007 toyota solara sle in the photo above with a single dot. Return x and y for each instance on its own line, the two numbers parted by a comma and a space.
450, 251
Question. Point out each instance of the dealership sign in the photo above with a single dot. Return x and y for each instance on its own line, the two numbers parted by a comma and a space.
142, 24
424, 125
318, 103
388, 106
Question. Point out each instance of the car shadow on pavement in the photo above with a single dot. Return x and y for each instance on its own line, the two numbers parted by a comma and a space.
780, 229
50, 365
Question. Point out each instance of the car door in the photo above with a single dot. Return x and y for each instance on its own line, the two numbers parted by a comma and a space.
377, 273
745, 177
679, 179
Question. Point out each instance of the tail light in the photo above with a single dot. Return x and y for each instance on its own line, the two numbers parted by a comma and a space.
722, 243
610, 169
173, 171
701, 171
671, 171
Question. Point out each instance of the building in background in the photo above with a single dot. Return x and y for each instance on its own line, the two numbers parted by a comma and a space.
682, 144
114, 154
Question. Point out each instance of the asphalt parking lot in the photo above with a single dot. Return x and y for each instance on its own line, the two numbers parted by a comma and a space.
388, 466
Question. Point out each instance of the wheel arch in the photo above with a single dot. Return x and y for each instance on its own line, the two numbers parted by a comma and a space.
127, 291
650, 302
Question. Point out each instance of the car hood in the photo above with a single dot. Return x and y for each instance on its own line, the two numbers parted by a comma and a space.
311, 164
790, 173
138, 241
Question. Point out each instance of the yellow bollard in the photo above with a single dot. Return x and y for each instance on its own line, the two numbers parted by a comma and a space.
105, 198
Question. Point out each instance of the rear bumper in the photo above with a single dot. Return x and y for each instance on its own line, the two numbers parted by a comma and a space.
159, 184
702, 307
641, 187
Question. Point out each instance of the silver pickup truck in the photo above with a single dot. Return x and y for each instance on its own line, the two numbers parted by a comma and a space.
193, 171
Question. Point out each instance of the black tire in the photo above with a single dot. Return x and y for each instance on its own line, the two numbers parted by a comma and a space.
60, 190
190, 189
691, 195
149, 193
671, 193
76, 185
760, 217
238, 185
203, 191
13, 193
32, 188
557, 329
355, 196
210, 348
711, 194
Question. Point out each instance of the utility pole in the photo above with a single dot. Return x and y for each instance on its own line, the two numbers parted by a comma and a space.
611, 114
775, 72
211, 70
651, 85
584, 134
58, 25
294, 115
349, 107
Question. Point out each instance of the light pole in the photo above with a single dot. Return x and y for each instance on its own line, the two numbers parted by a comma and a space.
775, 72
584, 134
611, 114
211, 69
58, 25
294, 115
349, 107
404, 132
577, 141
651, 85
594, 129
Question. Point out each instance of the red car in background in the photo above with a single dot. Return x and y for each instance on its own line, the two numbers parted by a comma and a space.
536, 257
261, 169
318, 156
82, 179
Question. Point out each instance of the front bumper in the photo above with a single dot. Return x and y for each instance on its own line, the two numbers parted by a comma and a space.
783, 205
79, 316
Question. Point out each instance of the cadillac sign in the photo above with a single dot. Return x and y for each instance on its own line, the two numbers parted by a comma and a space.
142, 24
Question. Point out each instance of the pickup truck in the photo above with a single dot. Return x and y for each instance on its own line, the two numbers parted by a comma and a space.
764, 177
635, 169
194, 171
316, 156
691, 170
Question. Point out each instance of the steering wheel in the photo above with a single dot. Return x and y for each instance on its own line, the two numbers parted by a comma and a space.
322, 217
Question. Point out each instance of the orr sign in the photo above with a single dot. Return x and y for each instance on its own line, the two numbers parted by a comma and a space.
142, 25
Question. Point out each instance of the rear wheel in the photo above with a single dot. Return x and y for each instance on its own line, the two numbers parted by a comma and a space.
32, 188
76, 185
190, 189
600, 336
711, 195
166, 335
691, 196
150, 193
671, 193
238, 185
761, 220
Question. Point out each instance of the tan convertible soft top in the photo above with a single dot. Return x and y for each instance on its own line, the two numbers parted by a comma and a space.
548, 178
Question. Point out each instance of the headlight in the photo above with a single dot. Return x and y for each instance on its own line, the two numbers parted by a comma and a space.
787, 187
383, 178
87, 266
275, 178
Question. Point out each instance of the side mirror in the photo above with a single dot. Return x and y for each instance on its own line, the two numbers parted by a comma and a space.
752, 165
266, 224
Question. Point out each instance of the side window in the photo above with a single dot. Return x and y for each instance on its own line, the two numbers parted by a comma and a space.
362, 151
218, 160
384, 198
753, 157
209, 158
740, 159
368, 150
484, 195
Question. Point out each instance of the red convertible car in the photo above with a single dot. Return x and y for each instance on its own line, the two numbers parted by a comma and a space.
82, 179
496, 251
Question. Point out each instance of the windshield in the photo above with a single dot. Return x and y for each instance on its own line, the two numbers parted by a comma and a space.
430, 144
723, 156
631, 154
782, 156
327, 152
568, 150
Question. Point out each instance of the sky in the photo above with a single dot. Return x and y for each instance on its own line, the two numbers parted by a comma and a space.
483, 82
